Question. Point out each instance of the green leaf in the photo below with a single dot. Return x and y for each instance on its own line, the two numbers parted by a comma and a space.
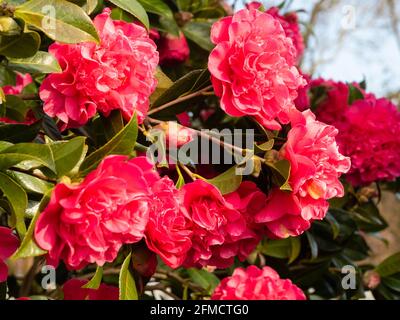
199, 33
127, 285
389, 266
158, 7
60, 20
354, 94
263, 147
204, 279
18, 201
123, 143
67, 154
113, 124
194, 80
32, 154
313, 245
181, 181
334, 224
163, 83
295, 248
16, 108
28, 247
90, 6
16, 133
95, 282
41, 62
227, 182
7, 76
30, 183
2, 96
20, 46
135, 9
9, 27
288, 248
281, 173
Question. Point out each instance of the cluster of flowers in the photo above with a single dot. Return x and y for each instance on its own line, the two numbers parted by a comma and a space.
374, 158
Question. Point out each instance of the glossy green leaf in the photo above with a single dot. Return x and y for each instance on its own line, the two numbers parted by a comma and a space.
122, 143
135, 9
20, 46
288, 248
28, 247
263, 147
32, 154
313, 245
60, 20
95, 282
7, 76
203, 278
181, 181
9, 27
389, 266
41, 62
158, 7
15, 108
18, 200
127, 285
163, 83
281, 172
354, 94
227, 181
199, 33
17, 133
67, 154
30, 183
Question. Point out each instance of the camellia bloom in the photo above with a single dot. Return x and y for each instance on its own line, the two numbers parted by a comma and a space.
253, 67
175, 134
316, 166
253, 283
375, 158
220, 232
169, 230
90, 221
73, 291
173, 49
22, 80
290, 23
370, 135
8, 245
116, 74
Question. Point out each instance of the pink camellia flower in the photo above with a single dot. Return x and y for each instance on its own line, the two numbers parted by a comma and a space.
8, 245
302, 101
335, 103
253, 283
22, 80
169, 230
90, 221
370, 135
316, 166
290, 23
220, 232
116, 74
253, 67
173, 49
73, 291
175, 134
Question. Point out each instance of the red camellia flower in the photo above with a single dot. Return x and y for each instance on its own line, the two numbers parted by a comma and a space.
375, 158
370, 135
220, 232
257, 284
169, 230
173, 49
73, 291
8, 245
22, 80
89, 222
116, 74
253, 67
316, 166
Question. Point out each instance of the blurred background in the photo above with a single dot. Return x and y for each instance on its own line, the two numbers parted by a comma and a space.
354, 40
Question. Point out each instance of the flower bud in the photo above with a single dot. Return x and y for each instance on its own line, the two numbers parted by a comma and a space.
173, 49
